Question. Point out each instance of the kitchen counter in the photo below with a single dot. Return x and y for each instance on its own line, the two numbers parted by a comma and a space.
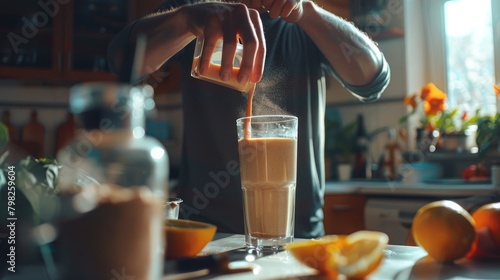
401, 262
444, 187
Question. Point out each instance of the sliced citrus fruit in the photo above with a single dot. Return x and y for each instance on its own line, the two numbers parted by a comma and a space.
444, 229
319, 254
361, 253
186, 238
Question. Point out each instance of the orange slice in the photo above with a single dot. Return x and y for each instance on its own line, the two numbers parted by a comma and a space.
362, 253
318, 253
355, 256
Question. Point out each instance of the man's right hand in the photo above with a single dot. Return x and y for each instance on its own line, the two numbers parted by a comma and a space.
230, 21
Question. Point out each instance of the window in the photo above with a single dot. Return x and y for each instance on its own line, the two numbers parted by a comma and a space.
470, 40
470, 65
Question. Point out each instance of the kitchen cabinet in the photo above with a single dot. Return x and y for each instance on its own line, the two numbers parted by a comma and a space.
344, 213
60, 39
63, 40
31, 44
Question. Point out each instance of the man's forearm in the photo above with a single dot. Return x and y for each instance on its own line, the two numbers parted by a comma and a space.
352, 54
166, 33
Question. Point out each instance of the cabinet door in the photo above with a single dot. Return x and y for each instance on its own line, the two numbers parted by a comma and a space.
30, 39
90, 25
344, 213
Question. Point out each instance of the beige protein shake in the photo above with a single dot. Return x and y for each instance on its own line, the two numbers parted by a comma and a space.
267, 149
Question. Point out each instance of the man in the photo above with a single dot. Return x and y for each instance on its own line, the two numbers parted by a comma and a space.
289, 47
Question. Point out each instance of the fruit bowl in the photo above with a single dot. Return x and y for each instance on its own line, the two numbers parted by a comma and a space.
185, 238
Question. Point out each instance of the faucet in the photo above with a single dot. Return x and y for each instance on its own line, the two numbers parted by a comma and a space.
371, 162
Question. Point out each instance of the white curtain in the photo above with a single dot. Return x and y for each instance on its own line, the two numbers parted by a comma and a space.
433, 20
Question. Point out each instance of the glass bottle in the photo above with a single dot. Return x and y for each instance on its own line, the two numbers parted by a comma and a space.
361, 168
117, 179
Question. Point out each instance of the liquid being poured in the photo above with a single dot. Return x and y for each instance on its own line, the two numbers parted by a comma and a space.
247, 127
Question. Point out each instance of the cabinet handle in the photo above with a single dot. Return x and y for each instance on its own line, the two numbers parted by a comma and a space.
341, 207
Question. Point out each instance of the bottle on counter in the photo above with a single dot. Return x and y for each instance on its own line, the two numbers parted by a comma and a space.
12, 129
65, 132
33, 137
392, 156
361, 169
117, 176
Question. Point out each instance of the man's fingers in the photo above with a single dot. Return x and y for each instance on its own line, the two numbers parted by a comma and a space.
287, 9
260, 56
211, 34
276, 7
228, 50
237, 22
250, 39
255, 4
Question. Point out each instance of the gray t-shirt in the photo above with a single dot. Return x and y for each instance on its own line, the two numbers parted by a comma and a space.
293, 83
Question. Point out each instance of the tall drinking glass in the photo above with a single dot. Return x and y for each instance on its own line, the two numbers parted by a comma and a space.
267, 148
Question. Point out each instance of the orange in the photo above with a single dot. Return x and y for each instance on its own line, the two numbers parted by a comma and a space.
444, 229
487, 218
362, 253
355, 256
186, 238
318, 253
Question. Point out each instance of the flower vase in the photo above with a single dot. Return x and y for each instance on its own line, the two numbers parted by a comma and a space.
454, 142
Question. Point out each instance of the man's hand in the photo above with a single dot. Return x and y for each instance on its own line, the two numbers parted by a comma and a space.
231, 22
289, 10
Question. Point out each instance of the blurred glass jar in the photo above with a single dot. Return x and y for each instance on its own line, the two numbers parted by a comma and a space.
213, 72
121, 214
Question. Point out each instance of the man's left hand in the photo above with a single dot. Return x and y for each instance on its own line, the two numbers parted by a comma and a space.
289, 10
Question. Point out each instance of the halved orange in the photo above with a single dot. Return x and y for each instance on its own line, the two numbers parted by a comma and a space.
318, 253
362, 253
355, 256
185, 238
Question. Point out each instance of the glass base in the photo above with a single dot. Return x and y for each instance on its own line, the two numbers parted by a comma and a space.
269, 244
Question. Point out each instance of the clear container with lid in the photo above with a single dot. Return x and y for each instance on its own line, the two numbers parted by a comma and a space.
121, 209
213, 72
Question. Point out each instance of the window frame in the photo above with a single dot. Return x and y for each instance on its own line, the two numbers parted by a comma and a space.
434, 12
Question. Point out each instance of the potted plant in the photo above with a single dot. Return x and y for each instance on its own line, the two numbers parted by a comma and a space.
488, 130
339, 147
446, 125
488, 134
